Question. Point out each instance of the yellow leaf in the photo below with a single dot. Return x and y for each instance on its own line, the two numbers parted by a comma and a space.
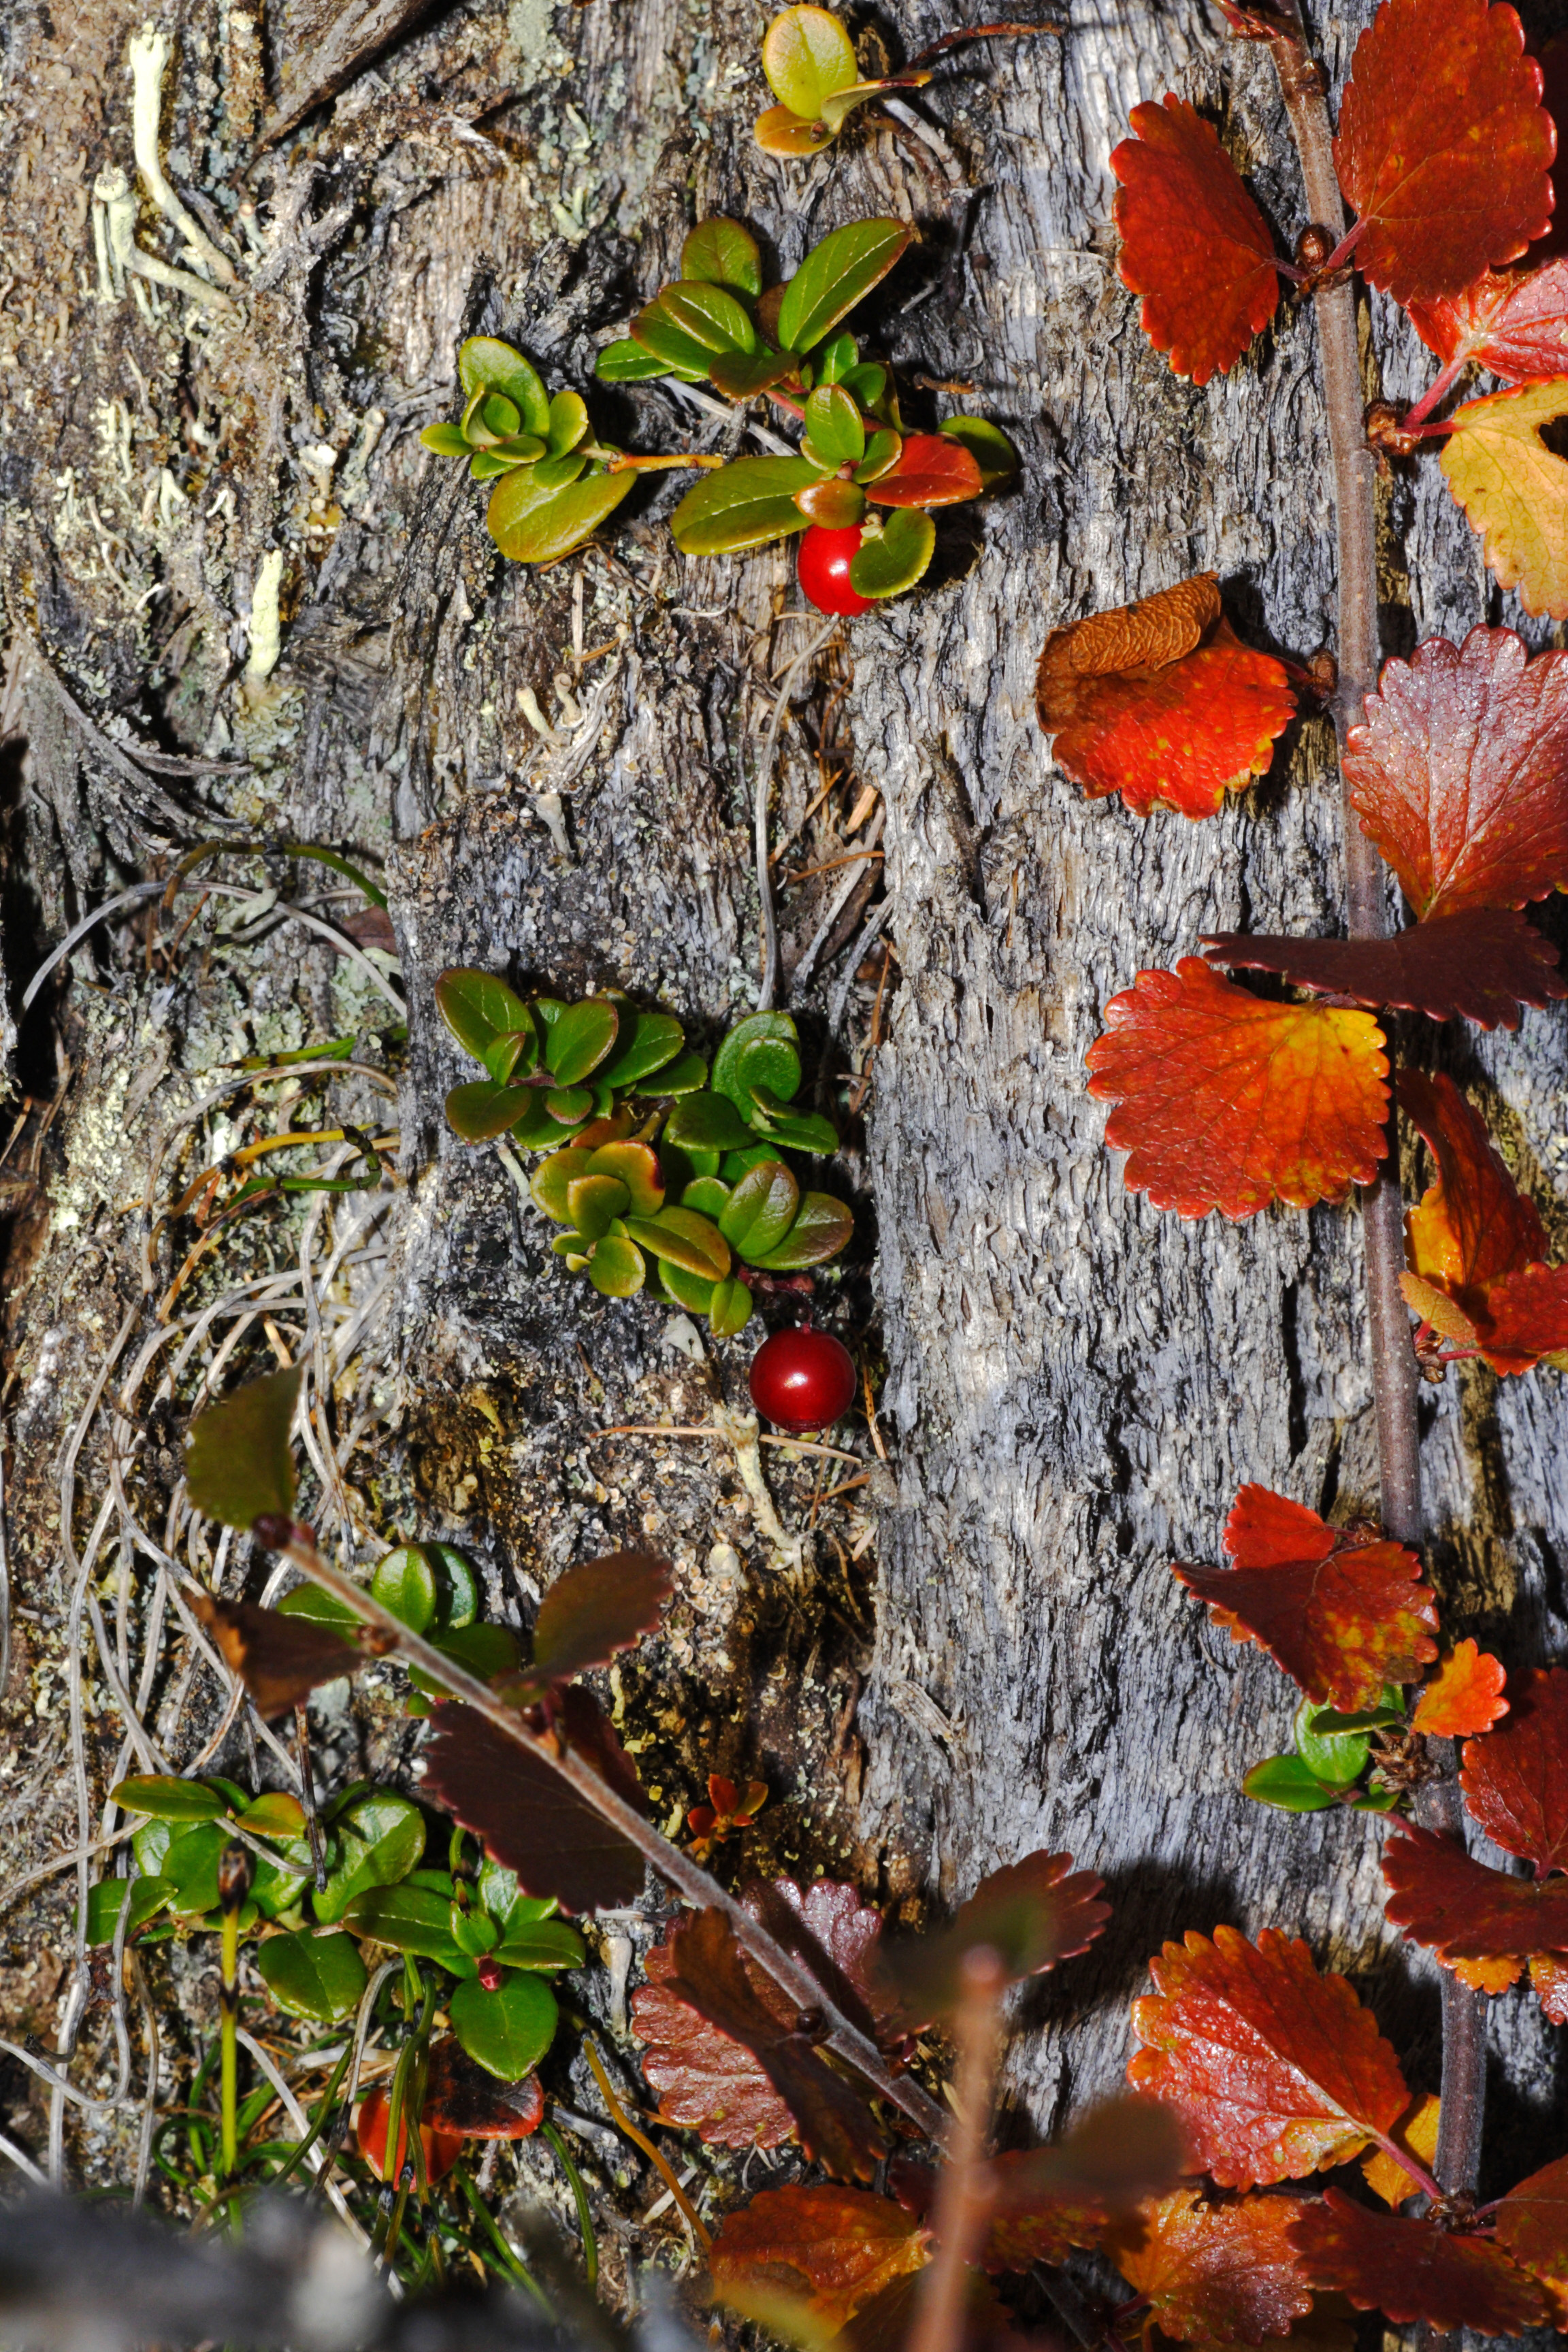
1515, 490
1416, 2131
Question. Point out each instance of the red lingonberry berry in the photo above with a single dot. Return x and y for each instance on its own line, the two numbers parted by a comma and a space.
823, 565
802, 1380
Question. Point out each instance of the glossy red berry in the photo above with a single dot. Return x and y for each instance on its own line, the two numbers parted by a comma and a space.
802, 1380
823, 565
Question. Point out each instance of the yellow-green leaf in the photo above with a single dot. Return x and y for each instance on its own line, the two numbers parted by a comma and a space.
807, 56
1515, 489
532, 524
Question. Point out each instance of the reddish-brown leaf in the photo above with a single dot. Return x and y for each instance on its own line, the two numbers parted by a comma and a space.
464, 2097
1214, 2274
1532, 2222
1526, 1319
835, 1931
836, 2125
1340, 1617
1512, 321
1515, 1780
1412, 2269
1482, 964
1032, 1914
1443, 148
1194, 244
1474, 1225
529, 1818
1049, 2200
831, 2249
1162, 702
1226, 1102
1274, 2071
595, 1609
931, 471
1465, 1695
281, 1660
1463, 1911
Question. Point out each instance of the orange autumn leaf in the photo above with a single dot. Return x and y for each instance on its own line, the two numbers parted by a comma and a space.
1226, 1101
1549, 1975
1416, 2132
1490, 1976
832, 2249
1465, 1695
1162, 702
1412, 2269
1274, 2071
1459, 771
1340, 1617
1514, 490
1214, 2274
1444, 147
1194, 244
1515, 1779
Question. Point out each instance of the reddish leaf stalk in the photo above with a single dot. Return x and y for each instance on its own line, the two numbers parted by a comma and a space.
967, 2185
1394, 1369
676, 1868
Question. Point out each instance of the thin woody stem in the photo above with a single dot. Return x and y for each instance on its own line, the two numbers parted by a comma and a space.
966, 2186
1393, 1366
678, 1869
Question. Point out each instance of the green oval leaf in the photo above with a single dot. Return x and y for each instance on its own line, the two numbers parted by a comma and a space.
596, 1201
552, 1181
404, 1582
1285, 1781
486, 363
509, 2030
707, 1122
447, 440
807, 56
823, 1228
627, 361
687, 1074
722, 253
383, 1836
579, 1041
568, 423
836, 505
894, 559
741, 375
409, 1918
710, 1196
988, 445
499, 1894
532, 523
616, 1269
548, 1946
1336, 1759
868, 381
743, 505
833, 426
636, 1167
882, 453
710, 315
569, 1106
797, 1131
487, 1019
315, 1607
320, 1977
763, 1050
238, 1464
106, 1901
167, 1799
729, 1308
644, 1042
274, 1815
692, 1291
834, 276
479, 1109
761, 1209
835, 360
191, 1864
683, 352
683, 1238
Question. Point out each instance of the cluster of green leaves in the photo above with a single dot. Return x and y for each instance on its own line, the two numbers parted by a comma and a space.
1331, 1752
553, 1067
718, 324
554, 483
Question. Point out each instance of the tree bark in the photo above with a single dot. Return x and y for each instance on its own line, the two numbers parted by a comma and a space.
1076, 1386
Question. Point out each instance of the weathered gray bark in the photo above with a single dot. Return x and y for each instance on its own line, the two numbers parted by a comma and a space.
1077, 1386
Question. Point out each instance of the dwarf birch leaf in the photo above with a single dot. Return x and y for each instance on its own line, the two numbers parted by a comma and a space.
1514, 490
1463, 1911
240, 1466
596, 1609
1526, 1319
1050, 2199
1474, 1225
1031, 1914
1273, 2070
1444, 147
832, 2248
1219, 2275
1463, 1698
1226, 1101
1483, 964
1411, 2270
280, 1659
1416, 2132
1515, 1779
1194, 244
1459, 771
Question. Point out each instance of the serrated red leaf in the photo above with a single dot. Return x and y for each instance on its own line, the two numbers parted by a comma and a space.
1526, 1319
1032, 1914
1214, 2274
1162, 702
1274, 2071
1460, 773
1532, 2222
596, 1609
831, 2249
1049, 2200
1411, 2270
1443, 148
1228, 1102
707, 1974
1481, 963
1464, 1696
934, 470
1512, 321
1340, 1617
1462, 1910
1474, 1225
709, 2083
1194, 244
531, 1820
280, 1659
1515, 1779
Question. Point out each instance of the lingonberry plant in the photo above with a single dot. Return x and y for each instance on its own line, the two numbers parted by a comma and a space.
812, 69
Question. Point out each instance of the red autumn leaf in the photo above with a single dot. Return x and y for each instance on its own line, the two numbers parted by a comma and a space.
1049, 2200
1162, 702
1228, 1102
1512, 321
1532, 2222
1443, 148
1214, 2274
1549, 1975
709, 2083
708, 1973
831, 2249
1473, 1225
931, 471
1465, 1695
1035, 2225
464, 2097
1032, 1914
1461, 1910
442, 2148
1340, 1617
1460, 773
1515, 1779
595, 1609
1526, 1319
529, 1818
1194, 244
280, 1659
1273, 2070
1482, 964
1412, 2269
